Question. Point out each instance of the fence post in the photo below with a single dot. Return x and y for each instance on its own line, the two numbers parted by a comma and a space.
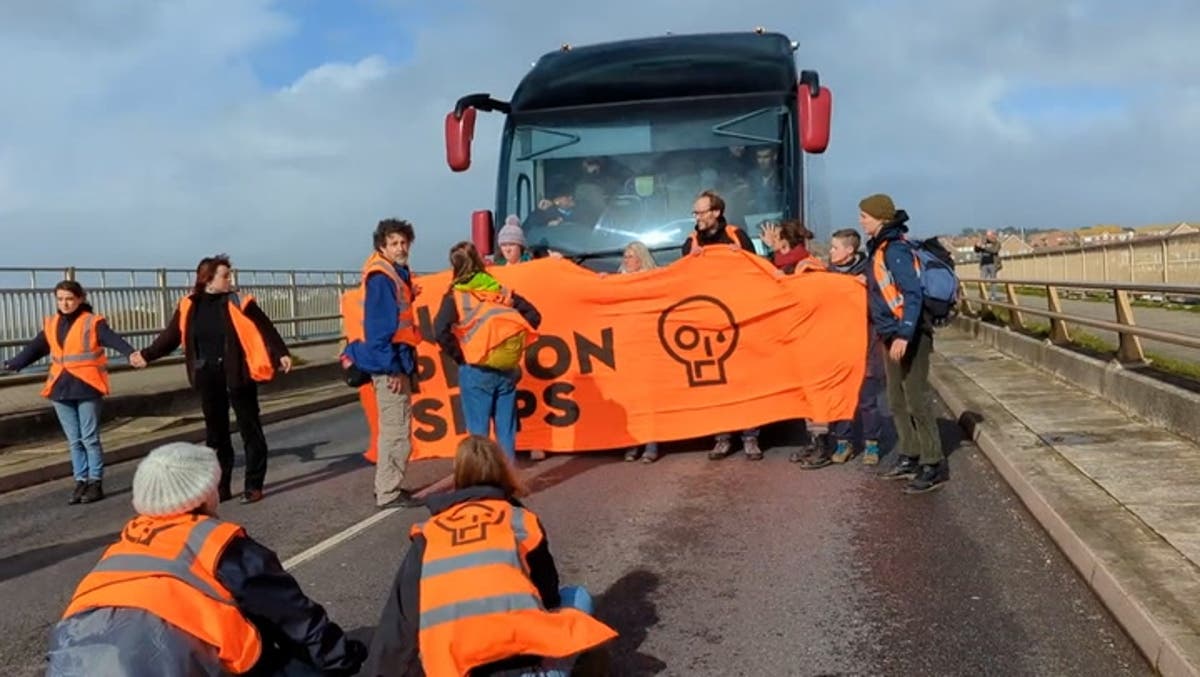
292, 304
965, 298
1014, 316
1059, 334
69, 273
164, 301
1130, 348
1166, 264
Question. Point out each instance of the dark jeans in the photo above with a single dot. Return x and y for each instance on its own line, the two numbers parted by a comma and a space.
215, 399
868, 413
911, 401
490, 395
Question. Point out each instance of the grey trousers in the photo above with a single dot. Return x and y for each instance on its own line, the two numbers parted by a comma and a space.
395, 438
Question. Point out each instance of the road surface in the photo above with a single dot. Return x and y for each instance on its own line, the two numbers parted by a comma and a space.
706, 568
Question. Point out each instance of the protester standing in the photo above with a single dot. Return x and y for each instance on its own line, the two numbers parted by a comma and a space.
485, 329
229, 347
896, 302
383, 340
75, 338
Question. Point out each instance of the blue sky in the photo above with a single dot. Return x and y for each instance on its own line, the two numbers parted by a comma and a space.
153, 132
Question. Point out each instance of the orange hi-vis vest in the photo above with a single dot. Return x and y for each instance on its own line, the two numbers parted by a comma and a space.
730, 230
490, 331
809, 265
81, 355
166, 566
354, 301
254, 346
887, 284
477, 603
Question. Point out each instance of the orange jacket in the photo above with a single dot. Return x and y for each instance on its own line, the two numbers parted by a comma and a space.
81, 354
254, 346
166, 566
477, 602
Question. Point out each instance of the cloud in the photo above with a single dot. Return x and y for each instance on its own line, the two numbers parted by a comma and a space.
143, 133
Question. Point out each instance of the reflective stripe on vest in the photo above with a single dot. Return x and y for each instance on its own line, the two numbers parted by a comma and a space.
254, 346
477, 602
80, 355
406, 323
887, 284
502, 327
175, 582
731, 232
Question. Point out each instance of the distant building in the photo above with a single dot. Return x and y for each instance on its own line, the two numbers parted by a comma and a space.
1102, 234
1166, 230
1053, 238
1013, 244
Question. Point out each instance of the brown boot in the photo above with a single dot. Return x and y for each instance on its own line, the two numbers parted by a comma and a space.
750, 446
721, 449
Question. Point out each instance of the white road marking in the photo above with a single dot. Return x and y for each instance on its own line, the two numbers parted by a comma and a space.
444, 483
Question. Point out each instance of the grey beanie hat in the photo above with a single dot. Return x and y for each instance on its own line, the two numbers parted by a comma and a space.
174, 479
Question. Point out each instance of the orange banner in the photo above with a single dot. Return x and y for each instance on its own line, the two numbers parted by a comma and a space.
713, 343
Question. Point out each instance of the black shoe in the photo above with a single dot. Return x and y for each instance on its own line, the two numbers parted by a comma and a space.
906, 468
224, 494
251, 496
92, 493
77, 495
931, 476
818, 459
404, 500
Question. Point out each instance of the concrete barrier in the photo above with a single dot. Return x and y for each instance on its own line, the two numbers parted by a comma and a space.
1161, 404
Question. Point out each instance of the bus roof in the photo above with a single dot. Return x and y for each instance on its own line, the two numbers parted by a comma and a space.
663, 67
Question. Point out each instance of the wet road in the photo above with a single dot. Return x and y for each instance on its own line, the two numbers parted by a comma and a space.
706, 568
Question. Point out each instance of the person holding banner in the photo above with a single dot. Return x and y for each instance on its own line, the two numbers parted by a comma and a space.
711, 230
637, 259
485, 328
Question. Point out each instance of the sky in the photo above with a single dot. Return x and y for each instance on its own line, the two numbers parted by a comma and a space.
153, 132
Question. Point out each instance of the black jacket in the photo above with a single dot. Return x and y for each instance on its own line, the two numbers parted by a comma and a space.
67, 388
447, 317
719, 236
394, 649
236, 371
298, 637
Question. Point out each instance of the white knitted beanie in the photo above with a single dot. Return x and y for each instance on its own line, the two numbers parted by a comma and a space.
174, 479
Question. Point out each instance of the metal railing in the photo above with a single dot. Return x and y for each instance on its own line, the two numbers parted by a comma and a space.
1129, 334
138, 302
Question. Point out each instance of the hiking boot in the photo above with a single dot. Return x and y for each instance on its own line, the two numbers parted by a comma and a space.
251, 496
537, 455
632, 454
404, 500
843, 453
77, 495
651, 454
92, 492
721, 449
819, 458
930, 477
750, 446
904, 469
871, 453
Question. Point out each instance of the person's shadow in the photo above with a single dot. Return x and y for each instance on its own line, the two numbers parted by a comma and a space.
627, 607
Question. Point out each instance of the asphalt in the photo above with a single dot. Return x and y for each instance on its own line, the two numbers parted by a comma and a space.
706, 568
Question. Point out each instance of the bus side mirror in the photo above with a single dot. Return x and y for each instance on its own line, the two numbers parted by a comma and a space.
816, 112
481, 231
460, 132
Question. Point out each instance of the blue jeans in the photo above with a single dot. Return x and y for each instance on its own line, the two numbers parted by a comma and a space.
489, 395
80, 421
573, 597
868, 413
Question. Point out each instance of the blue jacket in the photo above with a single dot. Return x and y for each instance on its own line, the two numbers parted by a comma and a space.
899, 261
377, 355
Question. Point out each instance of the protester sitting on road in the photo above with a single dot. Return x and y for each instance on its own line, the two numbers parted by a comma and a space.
713, 230
485, 329
75, 338
477, 592
184, 593
229, 346
845, 258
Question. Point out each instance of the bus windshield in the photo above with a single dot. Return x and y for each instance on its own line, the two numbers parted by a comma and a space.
593, 180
